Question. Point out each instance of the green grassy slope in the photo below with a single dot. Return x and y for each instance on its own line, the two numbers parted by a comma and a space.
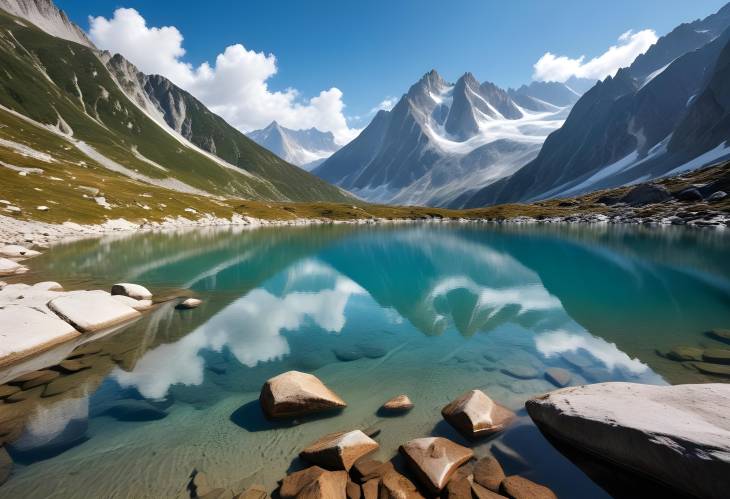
47, 78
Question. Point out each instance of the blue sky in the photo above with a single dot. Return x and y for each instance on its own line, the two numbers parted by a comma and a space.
374, 49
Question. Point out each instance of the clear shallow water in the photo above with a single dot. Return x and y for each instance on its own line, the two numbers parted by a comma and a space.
426, 310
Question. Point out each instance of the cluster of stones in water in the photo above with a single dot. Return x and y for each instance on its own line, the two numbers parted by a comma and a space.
75, 312
339, 463
712, 361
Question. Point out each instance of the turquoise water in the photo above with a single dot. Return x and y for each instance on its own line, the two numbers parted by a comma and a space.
427, 310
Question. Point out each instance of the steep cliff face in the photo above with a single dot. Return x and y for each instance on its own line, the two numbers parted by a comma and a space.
45, 15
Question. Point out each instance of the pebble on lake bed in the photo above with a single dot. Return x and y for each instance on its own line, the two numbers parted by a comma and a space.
189, 303
398, 404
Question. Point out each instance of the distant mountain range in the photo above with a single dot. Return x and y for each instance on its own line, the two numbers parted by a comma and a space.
443, 139
304, 148
668, 112
140, 129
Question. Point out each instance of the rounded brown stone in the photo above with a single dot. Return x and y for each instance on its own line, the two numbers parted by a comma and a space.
294, 394
339, 451
400, 403
476, 415
517, 487
435, 460
488, 473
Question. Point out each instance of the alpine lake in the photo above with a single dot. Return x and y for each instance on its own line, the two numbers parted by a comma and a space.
426, 309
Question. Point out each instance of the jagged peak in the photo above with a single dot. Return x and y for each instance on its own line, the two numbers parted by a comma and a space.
47, 17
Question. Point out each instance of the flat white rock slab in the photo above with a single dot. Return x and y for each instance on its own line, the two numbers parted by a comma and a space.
679, 435
25, 331
17, 251
91, 311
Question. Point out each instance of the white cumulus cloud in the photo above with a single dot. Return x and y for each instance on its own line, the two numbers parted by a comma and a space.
551, 67
235, 86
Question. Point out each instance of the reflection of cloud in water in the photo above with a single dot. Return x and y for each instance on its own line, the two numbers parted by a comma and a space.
50, 421
265, 315
557, 342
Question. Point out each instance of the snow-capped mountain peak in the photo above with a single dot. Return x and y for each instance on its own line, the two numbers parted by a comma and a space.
304, 148
441, 140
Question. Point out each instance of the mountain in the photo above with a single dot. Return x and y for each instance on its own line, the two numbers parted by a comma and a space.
304, 148
122, 124
544, 95
443, 139
636, 125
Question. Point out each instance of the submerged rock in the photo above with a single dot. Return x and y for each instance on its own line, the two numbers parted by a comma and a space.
435, 459
135, 291
347, 354
253, 492
519, 487
682, 353
339, 451
717, 355
521, 372
294, 394
90, 311
475, 415
677, 435
558, 376
398, 404
712, 369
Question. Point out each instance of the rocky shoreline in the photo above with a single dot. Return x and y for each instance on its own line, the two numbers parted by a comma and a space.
677, 436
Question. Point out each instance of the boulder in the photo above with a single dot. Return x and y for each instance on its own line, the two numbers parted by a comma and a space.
17, 251
370, 489
689, 195
9, 267
339, 451
48, 286
73, 365
646, 194
518, 487
189, 303
398, 404
475, 415
435, 459
138, 305
90, 311
365, 470
328, 485
352, 490
131, 290
717, 355
25, 331
558, 376
294, 394
488, 473
347, 354
682, 353
295, 482
717, 196
676, 435
479, 492
396, 486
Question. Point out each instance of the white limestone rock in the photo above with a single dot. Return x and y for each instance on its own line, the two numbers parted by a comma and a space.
189, 303
139, 305
25, 331
17, 251
91, 311
9, 267
678, 435
131, 290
